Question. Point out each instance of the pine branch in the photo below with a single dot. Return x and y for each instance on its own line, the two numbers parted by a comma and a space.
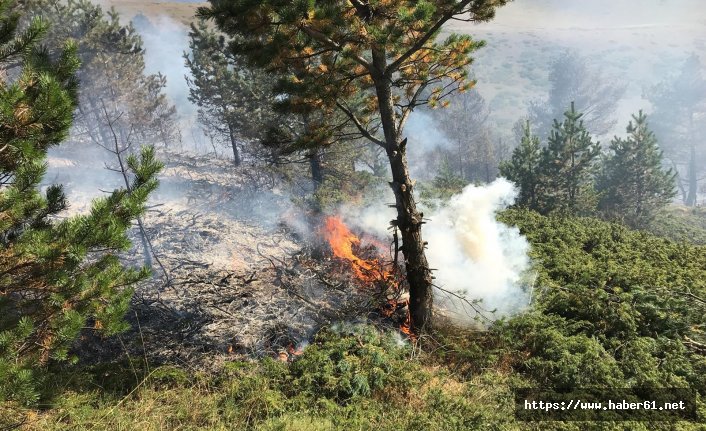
365, 132
392, 68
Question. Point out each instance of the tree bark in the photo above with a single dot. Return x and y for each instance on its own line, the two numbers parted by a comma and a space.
317, 170
693, 181
409, 220
234, 144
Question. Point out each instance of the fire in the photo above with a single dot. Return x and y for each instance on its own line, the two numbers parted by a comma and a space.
342, 241
295, 351
406, 328
344, 245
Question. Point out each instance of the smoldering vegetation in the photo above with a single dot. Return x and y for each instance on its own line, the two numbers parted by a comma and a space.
260, 231
226, 236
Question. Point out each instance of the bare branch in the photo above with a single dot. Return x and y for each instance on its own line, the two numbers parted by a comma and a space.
365, 132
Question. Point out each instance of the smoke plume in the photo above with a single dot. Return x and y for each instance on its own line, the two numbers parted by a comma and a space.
478, 257
475, 257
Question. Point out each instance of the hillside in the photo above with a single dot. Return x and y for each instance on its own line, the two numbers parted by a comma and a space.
263, 222
640, 48
612, 307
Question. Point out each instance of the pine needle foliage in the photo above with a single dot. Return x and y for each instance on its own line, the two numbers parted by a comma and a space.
523, 169
633, 184
234, 100
57, 276
569, 162
323, 52
372, 63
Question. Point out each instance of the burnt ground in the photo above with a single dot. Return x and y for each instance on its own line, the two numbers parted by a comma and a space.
233, 278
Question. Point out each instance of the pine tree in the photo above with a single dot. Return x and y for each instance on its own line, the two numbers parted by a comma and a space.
568, 163
112, 74
57, 276
632, 183
524, 169
234, 99
679, 106
573, 79
443, 186
372, 62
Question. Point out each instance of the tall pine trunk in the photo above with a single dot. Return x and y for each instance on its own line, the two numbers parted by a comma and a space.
409, 219
409, 222
693, 181
317, 170
234, 144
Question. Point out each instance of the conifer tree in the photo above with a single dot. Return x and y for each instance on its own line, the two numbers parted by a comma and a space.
679, 107
568, 163
373, 63
234, 99
632, 183
524, 169
57, 276
112, 74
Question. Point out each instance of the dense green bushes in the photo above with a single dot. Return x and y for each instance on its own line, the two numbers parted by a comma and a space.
613, 308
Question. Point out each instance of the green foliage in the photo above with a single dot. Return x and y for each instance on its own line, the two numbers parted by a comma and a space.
351, 377
444, 185
341, 187
632, 182
523, 169
336, 58
680, 224
558, 177
55, 275
347, 363
114, 85
234, 99
568, 163
613, 307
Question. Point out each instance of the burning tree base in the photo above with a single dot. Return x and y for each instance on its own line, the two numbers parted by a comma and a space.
362, 259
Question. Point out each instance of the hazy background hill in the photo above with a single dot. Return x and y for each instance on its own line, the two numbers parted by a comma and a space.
640, 42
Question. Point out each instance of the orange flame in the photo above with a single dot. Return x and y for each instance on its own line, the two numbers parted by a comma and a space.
294, 351
342, 240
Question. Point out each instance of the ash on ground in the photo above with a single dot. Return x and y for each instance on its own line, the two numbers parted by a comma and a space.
232, 279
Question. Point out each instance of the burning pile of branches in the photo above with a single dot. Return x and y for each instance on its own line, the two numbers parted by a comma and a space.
363, 258
240, 281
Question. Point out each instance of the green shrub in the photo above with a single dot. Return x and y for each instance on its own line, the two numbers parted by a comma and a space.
349, 362
613, 307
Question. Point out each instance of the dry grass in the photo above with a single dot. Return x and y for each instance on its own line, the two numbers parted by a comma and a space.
181, 12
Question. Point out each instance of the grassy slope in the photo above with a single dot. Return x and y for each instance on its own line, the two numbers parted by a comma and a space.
609, 311
178, 11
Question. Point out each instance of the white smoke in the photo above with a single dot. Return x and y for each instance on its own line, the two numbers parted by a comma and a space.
475, 257
478, 257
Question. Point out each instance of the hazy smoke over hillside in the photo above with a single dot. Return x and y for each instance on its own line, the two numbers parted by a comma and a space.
165, 42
